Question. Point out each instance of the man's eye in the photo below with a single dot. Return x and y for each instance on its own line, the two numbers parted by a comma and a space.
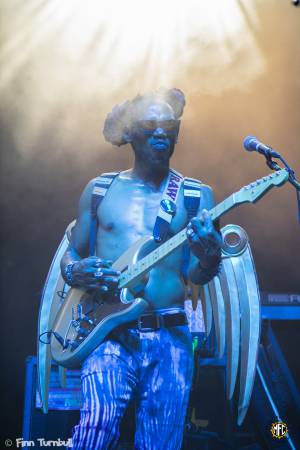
168, 124
148, 124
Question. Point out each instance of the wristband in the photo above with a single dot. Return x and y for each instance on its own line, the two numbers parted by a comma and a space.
69, 273
207, 274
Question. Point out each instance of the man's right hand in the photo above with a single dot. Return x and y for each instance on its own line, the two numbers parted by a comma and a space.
95, 273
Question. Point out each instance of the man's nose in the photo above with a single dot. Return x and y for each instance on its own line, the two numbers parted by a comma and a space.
159, 132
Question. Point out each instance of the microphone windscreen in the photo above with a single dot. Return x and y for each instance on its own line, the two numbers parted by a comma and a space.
249, 143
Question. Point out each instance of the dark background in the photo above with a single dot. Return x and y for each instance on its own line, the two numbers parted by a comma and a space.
53, 105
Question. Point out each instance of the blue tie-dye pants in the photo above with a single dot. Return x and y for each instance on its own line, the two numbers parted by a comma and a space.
156, 368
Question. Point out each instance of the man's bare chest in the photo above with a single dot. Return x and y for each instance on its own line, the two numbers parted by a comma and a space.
133, 208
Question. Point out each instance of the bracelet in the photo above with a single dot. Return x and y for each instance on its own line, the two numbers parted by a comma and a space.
69, 273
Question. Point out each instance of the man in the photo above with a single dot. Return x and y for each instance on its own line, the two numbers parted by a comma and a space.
153, 365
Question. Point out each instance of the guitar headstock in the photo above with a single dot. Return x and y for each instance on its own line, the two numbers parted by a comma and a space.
254, 191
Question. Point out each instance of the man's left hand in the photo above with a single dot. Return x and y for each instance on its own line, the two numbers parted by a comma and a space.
205, 242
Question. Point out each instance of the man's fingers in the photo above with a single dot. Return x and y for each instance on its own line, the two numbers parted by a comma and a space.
112, 272
198, 227
104, 273
192, 236
207, 220
203, 224
98, 262
202, 233
107, 279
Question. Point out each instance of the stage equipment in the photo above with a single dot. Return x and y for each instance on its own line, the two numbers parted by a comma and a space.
251, 143
278, 298
63, 405
276, 396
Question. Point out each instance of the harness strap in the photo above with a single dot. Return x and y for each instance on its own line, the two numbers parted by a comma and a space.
101, 187
192, 195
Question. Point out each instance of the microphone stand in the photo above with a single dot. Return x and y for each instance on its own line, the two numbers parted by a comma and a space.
292, 178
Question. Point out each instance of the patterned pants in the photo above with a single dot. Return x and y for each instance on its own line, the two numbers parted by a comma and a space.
156, 368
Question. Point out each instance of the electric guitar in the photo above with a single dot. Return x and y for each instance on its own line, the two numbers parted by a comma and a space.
86, 318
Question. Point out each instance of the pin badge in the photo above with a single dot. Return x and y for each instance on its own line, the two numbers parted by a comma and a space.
168, 206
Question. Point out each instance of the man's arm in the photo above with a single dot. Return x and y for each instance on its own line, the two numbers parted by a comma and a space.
78, 269
205, 242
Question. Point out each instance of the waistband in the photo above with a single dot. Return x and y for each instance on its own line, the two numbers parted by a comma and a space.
158, 320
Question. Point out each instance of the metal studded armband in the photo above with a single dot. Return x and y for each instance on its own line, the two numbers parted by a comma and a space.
68, 273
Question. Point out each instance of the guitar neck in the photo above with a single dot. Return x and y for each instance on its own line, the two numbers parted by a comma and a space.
138, 270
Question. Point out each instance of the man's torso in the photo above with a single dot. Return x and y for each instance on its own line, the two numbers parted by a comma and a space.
127, 213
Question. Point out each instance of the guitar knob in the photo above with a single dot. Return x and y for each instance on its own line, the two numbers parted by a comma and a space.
83, 332
88, 320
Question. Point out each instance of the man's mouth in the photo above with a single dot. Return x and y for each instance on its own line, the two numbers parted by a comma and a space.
160, 145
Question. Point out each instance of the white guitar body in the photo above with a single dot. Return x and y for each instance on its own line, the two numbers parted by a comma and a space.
135, 253
108, 316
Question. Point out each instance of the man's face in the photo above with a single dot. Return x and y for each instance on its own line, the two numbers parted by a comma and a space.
154, 134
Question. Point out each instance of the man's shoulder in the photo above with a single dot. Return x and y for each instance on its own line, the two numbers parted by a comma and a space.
104, 178
95, 185
197, 184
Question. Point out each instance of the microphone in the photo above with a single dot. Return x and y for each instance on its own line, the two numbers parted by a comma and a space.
252, 144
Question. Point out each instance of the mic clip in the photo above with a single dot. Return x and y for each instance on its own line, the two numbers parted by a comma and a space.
270, 163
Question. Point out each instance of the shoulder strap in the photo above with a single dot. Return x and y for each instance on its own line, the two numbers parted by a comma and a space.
167, 207
100, 189
192, 196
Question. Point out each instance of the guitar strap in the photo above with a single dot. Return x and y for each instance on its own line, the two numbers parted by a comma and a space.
167, 207
101, 187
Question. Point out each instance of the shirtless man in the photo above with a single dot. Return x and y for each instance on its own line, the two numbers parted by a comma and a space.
155, 366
